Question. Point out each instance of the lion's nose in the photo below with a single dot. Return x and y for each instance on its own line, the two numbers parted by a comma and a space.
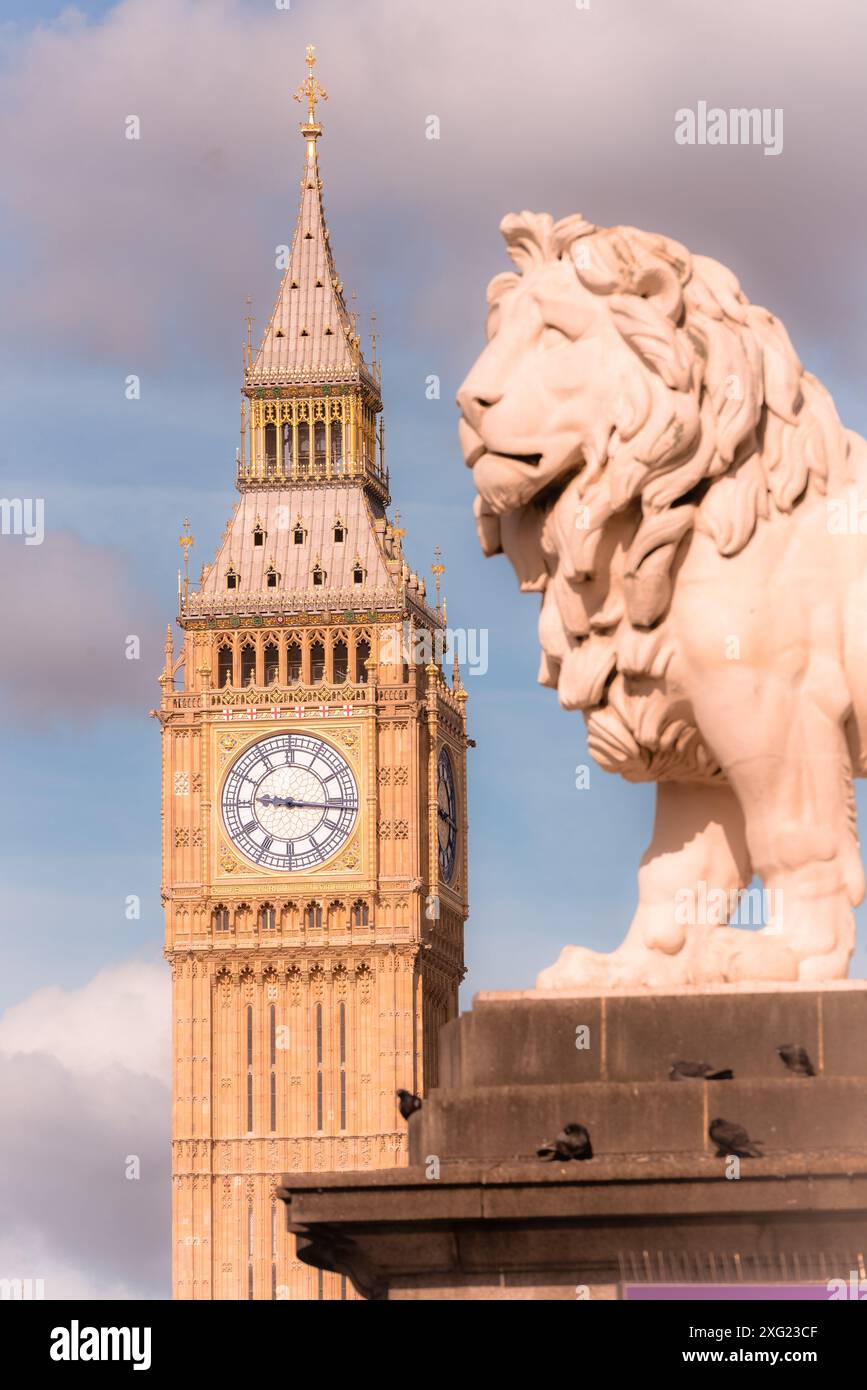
474, 398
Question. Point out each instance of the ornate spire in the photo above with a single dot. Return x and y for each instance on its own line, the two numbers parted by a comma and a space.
310, 336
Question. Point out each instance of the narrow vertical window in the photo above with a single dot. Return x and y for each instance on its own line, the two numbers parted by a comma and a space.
340, 661
274, 1250
249, 1069
362, 655
248, 664
319, 1056
225, 667
319, 447
250, 1250
293, 662
343, 1286
272, 1029
320, 1285
271, 448
341, 1044
317, 662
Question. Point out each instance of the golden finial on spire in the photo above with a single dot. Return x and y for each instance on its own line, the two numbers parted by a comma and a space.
185, 541
398, 532
249, 321
313, 91
438, 570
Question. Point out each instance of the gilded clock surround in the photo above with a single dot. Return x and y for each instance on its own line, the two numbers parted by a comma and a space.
302, 1000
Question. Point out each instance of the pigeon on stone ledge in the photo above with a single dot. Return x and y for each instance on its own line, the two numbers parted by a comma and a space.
407, 1103
796, 1059
733, 1139
698, 1071
572, 1142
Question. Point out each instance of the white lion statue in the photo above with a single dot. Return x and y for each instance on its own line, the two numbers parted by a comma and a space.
654, 460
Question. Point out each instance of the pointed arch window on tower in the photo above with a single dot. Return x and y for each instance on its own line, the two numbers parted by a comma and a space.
358, 574
293, 662
231, 578
317, 662
272, 578
339, 532
225, 666
271, 449
319, 576
340, 661
272, 663
336, 447
319, 447
220, 917
248, 664
360, 916
259, 534
362, 656
298, 534
267, 917
313, 916
303, 449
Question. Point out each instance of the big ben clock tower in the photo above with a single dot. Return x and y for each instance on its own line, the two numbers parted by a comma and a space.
314, 804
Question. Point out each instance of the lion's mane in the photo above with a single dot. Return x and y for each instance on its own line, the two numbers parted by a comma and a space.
723, 427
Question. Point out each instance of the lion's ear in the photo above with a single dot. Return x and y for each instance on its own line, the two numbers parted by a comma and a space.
660, 285
653, 337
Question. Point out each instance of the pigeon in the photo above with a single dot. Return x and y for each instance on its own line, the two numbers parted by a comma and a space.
572, 1142
733, 1139
408, 1103
698, 1071
796, 1059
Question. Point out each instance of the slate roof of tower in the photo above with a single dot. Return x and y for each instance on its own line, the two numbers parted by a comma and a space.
309, 336
368, 541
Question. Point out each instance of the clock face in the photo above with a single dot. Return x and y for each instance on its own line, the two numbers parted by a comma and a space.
289, 802
447, 816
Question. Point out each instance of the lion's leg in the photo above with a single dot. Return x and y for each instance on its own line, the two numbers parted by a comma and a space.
694, 866
696, 862
788, 763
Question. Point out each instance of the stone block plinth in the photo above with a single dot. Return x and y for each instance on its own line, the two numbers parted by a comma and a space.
478, 1215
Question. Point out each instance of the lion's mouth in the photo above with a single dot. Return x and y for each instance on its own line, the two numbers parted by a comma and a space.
531, 460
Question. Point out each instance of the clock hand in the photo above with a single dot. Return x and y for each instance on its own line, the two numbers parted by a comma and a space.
444, 815
291, 802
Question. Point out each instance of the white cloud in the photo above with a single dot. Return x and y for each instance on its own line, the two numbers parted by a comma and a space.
120, 1018
84, 1077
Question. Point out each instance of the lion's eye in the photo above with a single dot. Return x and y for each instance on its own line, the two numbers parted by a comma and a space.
492, 322
554, 337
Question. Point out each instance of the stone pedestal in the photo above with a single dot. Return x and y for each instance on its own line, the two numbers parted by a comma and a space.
476, 1215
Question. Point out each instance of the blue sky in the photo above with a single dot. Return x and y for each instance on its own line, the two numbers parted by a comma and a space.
122, 258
